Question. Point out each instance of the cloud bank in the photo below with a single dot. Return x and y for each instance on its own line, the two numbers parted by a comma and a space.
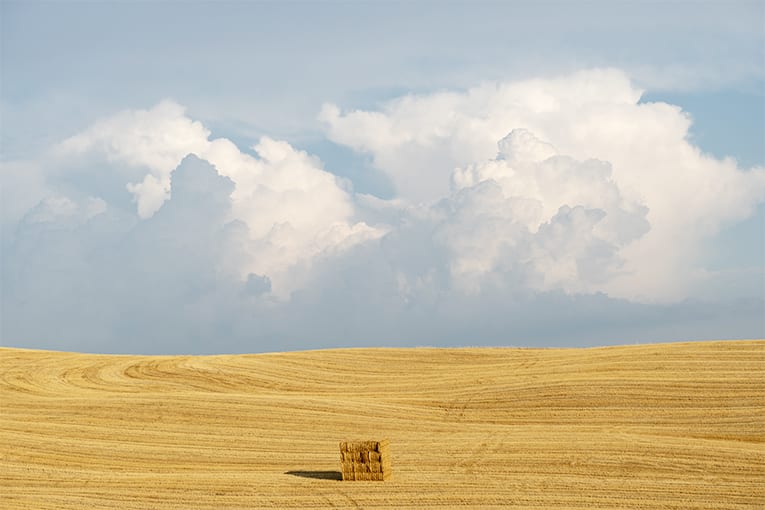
539, 211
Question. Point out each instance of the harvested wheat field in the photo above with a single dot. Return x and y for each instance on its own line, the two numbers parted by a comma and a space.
652, 426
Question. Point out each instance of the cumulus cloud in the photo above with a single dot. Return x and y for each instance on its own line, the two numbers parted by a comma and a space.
156, 139
663, 193
565, 219
292, 207
524, 210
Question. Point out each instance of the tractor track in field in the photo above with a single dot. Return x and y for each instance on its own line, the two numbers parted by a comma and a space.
661, 426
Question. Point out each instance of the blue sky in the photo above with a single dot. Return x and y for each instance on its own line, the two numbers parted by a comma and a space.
380, 173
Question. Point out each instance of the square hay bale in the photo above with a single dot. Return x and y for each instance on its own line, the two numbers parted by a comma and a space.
365, 460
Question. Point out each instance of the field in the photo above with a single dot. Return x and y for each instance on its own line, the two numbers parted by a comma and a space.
673, 426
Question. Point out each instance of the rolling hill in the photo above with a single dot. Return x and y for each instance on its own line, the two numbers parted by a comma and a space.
671, 426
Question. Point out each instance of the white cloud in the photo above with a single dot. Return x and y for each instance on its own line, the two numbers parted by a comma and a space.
156, 139
433, 144
294, 210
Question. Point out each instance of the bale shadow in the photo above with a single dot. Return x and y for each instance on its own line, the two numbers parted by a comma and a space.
317, 475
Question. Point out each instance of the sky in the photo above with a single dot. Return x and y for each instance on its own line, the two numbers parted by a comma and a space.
230, 177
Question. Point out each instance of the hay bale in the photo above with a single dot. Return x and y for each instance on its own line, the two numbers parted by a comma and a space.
365, 460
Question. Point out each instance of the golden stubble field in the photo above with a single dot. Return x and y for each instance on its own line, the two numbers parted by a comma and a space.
652, 426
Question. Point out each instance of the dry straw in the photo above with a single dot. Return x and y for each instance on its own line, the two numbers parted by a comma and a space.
365, 460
